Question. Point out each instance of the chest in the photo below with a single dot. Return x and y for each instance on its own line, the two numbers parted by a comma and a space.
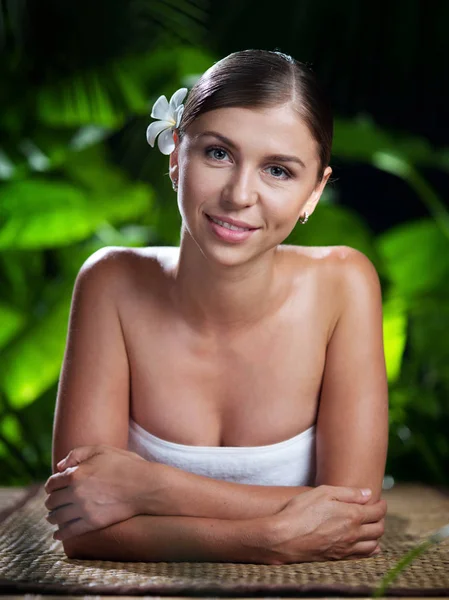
257, 388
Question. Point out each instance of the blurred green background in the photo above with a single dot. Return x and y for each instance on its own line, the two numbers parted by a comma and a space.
76, 174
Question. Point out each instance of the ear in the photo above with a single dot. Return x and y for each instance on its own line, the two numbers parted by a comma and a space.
316, 194
174, 169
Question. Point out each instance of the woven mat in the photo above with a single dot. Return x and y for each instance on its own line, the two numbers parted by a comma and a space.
31, 561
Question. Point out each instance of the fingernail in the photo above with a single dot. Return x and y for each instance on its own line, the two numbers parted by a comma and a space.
61, 462
366, 492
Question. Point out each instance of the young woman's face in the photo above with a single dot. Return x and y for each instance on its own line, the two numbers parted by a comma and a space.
257, 166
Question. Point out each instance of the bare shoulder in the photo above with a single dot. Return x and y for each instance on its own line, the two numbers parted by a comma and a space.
121, 267
337, 264
356, 276
342, 280
120, 257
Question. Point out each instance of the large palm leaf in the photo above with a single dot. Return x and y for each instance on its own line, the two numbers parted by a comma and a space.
81, 62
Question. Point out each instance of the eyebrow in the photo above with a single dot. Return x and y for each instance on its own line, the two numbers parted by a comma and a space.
274, 157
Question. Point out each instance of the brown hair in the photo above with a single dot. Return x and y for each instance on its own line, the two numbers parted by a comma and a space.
263, 78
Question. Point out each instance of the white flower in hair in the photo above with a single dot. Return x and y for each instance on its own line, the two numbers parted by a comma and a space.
169, 115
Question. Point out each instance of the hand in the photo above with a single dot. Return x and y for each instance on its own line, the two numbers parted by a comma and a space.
327, 523
96, 486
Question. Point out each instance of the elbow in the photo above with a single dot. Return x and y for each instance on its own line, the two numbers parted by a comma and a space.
89, 546
73, 548
99, 544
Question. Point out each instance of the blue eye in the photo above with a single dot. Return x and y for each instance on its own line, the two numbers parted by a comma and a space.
215, 149
282, 170
218, 149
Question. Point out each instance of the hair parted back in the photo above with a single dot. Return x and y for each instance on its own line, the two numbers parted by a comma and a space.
263, 78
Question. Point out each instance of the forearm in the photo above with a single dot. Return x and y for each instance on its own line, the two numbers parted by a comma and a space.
146, 538
168, 490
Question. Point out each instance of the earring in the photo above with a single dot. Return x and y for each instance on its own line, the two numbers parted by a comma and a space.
304, 219
175, 185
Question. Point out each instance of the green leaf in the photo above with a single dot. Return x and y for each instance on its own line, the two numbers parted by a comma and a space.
45, 214
32, 363
108, 96
361, 139
10, 429
193, 62
395, 334
82, 99
400, 167
429, 317
22, 274
11, 322
399, 402
415, 256
89, 169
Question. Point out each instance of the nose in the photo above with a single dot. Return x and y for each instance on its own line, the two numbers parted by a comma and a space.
240, 189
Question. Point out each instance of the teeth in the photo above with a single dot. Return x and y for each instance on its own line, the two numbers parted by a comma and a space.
229, 226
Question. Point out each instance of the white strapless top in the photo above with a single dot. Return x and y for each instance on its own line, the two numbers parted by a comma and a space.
291, 462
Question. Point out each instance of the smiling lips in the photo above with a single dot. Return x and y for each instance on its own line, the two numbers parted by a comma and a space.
230, 231
231, 224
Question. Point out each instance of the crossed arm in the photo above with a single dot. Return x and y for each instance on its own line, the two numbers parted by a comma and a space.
235, 518
234, 524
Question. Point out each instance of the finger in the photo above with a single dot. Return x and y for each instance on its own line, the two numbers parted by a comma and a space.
371, 513
60, 480
76, 527
374, 553
63, 514
79, 455
361, 549
345, 494
372, 531
58, 498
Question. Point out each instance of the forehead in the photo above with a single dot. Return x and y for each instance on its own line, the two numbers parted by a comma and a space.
274, 130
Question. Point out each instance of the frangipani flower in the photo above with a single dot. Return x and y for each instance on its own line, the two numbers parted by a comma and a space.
169, 115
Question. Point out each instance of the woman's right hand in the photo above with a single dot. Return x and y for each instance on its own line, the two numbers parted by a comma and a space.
327, 523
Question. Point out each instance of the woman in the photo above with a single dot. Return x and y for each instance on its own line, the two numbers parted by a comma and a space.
227, 400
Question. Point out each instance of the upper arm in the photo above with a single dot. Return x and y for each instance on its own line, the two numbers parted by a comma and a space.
352, 424
92, 405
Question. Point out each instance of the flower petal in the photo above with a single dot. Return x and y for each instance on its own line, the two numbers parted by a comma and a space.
165, 142
155, 128
179, 112
161, 109
177, 98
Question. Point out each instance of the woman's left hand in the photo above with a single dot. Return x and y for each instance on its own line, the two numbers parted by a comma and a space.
96, 486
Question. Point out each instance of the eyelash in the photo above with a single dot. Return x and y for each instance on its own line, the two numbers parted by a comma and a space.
287, 173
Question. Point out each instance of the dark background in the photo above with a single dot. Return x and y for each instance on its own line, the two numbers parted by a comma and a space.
386, 59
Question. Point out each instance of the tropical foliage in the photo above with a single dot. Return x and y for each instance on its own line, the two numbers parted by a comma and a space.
76, 175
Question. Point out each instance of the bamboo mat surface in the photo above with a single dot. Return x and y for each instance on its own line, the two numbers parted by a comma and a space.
32, 563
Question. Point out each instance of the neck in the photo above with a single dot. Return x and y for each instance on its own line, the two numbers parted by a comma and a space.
214, 297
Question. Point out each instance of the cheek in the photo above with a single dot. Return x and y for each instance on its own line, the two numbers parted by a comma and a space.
284, 206
200, 184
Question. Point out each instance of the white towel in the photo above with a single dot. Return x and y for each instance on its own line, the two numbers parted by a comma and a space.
291, 462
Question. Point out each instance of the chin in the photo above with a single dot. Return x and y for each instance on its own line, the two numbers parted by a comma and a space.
231, 255
222, 252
